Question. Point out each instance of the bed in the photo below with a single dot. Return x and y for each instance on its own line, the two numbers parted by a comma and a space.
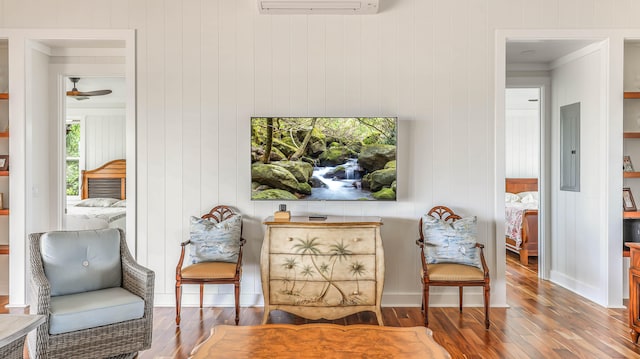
103, 194
521, 217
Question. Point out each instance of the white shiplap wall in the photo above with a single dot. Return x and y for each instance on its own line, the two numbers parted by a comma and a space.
104, 139
522, 132
205, 66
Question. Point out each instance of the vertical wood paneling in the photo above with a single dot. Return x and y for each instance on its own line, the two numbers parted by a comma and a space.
104, 141
352, 65
335, 66
245, 105
522, 133
204, 67
138, 20
421, 138
443, 103
119, 14
229, 161
317, 64
209, 89
155, 143
281, 65
174, 219
371, 63
299, 65
191, 117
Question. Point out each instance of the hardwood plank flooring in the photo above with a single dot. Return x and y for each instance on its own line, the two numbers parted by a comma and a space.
542, 321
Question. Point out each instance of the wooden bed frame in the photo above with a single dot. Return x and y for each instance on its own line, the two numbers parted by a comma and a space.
106, 181
529, 220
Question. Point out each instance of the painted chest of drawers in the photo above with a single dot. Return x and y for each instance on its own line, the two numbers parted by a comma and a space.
323, 269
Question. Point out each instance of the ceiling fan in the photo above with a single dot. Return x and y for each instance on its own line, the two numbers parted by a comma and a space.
81, 95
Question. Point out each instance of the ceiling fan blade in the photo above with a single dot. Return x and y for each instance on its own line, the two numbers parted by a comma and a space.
88, 93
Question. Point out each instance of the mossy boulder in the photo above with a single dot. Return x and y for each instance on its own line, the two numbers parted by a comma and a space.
375, 156
257, 152
384, 194
302, 171
273, 194
334, 155
274, 176
390, 164
382, 178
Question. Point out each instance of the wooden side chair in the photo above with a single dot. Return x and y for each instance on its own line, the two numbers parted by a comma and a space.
208, 269
449, 270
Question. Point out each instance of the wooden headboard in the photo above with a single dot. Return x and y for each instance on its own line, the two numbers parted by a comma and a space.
106, 181
517, 185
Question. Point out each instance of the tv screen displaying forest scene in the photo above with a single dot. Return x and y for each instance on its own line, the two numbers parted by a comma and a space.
323, 158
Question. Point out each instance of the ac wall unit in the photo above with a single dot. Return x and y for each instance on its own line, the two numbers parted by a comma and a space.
338, 7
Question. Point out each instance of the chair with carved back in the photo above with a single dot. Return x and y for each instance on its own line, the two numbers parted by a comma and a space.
211, 271
448, 271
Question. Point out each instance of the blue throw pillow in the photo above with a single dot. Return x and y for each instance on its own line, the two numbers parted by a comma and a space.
215, 242
450, 242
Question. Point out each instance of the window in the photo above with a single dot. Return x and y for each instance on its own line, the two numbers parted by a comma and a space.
72, 172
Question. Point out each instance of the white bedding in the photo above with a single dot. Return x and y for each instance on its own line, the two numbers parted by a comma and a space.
78, 218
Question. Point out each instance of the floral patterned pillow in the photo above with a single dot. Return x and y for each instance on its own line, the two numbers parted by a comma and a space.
215, 242
450, 242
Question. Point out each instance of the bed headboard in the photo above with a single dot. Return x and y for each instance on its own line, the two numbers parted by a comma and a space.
106, 181
517, 185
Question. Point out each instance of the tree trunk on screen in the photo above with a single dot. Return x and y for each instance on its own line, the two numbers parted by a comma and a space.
300, 151
267, 147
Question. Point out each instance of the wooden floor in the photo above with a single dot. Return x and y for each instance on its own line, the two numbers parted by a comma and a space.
543, 321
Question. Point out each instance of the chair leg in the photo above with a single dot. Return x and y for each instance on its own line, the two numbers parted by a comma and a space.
425, 304
237, 293
460, 296
201, 291
487, 293
178, 301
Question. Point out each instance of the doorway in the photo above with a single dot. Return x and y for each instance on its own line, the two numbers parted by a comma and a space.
522, 170
39, 59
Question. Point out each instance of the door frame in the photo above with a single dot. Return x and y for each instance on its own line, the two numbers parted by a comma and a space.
21, 42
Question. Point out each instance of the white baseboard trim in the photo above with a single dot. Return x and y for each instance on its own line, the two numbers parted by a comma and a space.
580, 288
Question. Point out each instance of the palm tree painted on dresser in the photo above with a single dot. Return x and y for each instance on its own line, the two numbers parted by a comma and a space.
310, 248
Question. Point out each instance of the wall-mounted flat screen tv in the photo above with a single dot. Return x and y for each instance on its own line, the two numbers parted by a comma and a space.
323, 158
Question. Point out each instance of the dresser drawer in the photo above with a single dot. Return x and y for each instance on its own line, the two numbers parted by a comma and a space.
321, 294
323, 240
322, 267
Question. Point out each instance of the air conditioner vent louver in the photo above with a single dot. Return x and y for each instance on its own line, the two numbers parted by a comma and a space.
338, 7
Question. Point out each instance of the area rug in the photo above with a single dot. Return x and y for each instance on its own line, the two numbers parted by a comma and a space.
286, 341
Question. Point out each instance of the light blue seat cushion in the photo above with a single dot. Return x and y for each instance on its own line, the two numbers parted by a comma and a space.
215, 242
450, 242
93, 309
81, 261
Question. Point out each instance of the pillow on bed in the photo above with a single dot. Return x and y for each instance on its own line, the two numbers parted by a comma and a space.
97, 202
122, 203
450, 242
528, 197
215, 242
511, 197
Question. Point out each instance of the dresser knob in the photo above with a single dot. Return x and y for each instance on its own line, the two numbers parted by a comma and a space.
290, 239
356, 239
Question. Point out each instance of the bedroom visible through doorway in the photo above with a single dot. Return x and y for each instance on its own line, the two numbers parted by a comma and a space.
522, 171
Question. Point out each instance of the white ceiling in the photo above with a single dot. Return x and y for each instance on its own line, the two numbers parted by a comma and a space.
542, 52
91, 48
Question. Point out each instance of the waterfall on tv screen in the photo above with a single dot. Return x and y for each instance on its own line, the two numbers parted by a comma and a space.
323, 158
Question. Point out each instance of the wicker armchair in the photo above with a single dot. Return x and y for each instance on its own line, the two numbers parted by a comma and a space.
121, 339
